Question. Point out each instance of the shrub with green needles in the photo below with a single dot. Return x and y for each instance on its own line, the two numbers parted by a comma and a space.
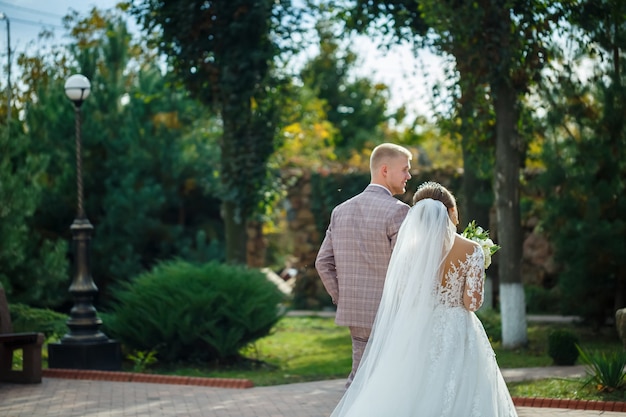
194, 313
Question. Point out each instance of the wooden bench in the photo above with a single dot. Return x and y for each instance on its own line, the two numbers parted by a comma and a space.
30, 344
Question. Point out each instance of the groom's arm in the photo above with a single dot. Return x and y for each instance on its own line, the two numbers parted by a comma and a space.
395, 221
325, 265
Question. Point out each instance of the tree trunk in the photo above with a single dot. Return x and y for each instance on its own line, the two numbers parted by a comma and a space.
474, 191
235, 233
235, 179
508, 162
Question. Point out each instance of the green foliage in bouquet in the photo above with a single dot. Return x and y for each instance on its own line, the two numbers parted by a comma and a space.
189, 313
481, 236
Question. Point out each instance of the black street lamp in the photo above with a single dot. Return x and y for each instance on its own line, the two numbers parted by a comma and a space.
85, 346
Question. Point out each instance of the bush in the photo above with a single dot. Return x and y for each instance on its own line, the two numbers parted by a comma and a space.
562, 347
189, 313
540, 300
606, 370
30, 319
492, 323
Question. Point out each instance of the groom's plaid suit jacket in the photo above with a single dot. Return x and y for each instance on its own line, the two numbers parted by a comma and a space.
352, 261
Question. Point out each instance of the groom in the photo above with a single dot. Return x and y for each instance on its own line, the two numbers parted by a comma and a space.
352, 261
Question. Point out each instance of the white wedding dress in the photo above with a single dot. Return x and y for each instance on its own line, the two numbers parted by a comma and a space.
428, 356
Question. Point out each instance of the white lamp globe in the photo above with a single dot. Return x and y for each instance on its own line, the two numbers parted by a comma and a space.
77, 88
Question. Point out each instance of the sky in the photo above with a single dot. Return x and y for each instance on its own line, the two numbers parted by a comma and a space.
410, 79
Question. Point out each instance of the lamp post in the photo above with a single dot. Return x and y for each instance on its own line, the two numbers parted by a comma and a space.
84, 346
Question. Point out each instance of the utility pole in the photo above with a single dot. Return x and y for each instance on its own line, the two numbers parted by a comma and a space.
6, 19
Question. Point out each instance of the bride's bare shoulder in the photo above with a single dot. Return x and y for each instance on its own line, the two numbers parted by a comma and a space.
461, 249
463, 245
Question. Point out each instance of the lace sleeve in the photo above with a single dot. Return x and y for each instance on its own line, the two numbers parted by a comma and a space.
474, 290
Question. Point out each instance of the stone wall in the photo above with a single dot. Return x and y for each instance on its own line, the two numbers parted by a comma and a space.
305, 239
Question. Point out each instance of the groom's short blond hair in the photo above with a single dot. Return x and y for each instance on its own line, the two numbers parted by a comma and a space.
385, 152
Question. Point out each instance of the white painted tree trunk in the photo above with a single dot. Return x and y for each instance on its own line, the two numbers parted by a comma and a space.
513, 314
509, 157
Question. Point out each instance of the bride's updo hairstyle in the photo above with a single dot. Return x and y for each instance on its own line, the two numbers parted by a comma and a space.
435, 191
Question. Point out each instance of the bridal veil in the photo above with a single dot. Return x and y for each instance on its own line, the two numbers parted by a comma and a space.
396, 354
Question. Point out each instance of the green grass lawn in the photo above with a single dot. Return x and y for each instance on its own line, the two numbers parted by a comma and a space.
574, 389
314, 348
299, 349
536, 352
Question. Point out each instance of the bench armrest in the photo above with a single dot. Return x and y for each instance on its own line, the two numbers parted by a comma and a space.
21, 338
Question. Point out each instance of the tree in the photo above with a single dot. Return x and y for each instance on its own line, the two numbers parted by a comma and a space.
223, 52
308, 138
504, 43
148, 153
32, 266
139, 134
585, 173
498, 47
33, 261
355, 106
468, 118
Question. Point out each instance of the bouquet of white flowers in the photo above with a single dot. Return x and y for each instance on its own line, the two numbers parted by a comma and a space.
481, 236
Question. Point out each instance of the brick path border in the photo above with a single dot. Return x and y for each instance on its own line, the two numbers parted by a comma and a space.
615, 406
151, 378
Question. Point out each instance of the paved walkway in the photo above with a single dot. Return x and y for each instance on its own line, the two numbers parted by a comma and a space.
62, 397
59, 397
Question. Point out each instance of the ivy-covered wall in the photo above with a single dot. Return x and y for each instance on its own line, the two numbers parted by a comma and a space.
311, 200
312, 196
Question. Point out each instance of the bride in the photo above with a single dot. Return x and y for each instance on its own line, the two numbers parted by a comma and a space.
428, 354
